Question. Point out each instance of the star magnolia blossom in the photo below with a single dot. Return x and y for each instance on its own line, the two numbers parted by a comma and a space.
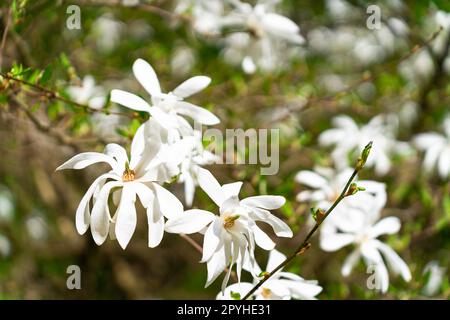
281, 286
327, 184
437, 150
167, 108
88, 93
264, 42
359, 224
129, 178
347, 136
231, 236
194, 159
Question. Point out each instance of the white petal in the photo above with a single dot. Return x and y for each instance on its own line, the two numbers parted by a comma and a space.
82, 216
280, 228
262, 239
199, 114
126, 217
155, 229
389, 225
281, 26
275, 258
190, 221
192, 86
212, 240
215, 266
335, 241
265, 202
129, 100
210, 185
169, 205
146, 76
100, 213
394, 261
231, 189
144, 193
119, 153
311, 179
242, 288
444, 163
350, 262
85, 159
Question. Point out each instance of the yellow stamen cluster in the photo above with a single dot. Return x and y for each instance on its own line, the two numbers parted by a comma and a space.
128, 175
266, 293
229, 221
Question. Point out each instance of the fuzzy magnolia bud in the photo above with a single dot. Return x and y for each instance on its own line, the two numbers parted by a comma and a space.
363, 157
353, 189
317, 214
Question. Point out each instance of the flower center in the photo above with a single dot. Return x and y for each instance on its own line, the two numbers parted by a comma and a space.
128, 174
266, 293
228, 222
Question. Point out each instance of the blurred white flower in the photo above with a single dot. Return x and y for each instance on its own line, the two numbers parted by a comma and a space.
437, 150
231, 236
167, 108
182, 61
88, 93
327, 184
358, 223
37, 227
5, 246
265, 41
107, 32
347, 137
281, 286
435, 274
6, 204
128, 179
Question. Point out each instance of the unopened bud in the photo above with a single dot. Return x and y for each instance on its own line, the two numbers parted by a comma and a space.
363, 157
353, 189
318, 214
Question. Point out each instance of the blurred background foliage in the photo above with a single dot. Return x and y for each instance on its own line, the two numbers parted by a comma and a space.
37, 206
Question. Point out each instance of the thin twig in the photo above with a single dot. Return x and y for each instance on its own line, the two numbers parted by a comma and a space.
5, 34
306, 244
47, 93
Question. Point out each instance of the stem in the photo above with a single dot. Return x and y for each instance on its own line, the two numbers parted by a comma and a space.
305, 244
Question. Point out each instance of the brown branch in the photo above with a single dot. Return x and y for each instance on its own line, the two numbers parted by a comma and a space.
5, 34
49, 94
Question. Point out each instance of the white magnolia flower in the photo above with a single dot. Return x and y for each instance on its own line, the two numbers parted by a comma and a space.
88, 93
129, 179
358, 224
194, 159
167, 108
327, 184
264, 42
437, 150
208, 16
347, 136
231, 236
280, 286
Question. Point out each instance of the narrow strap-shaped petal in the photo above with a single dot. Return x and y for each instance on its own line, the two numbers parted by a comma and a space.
199, 114
192, 86
82, 160
265, 202
191, 221
100, 213
146, 76
126, 217
210, 185
212, 240
129, 100
169, 205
